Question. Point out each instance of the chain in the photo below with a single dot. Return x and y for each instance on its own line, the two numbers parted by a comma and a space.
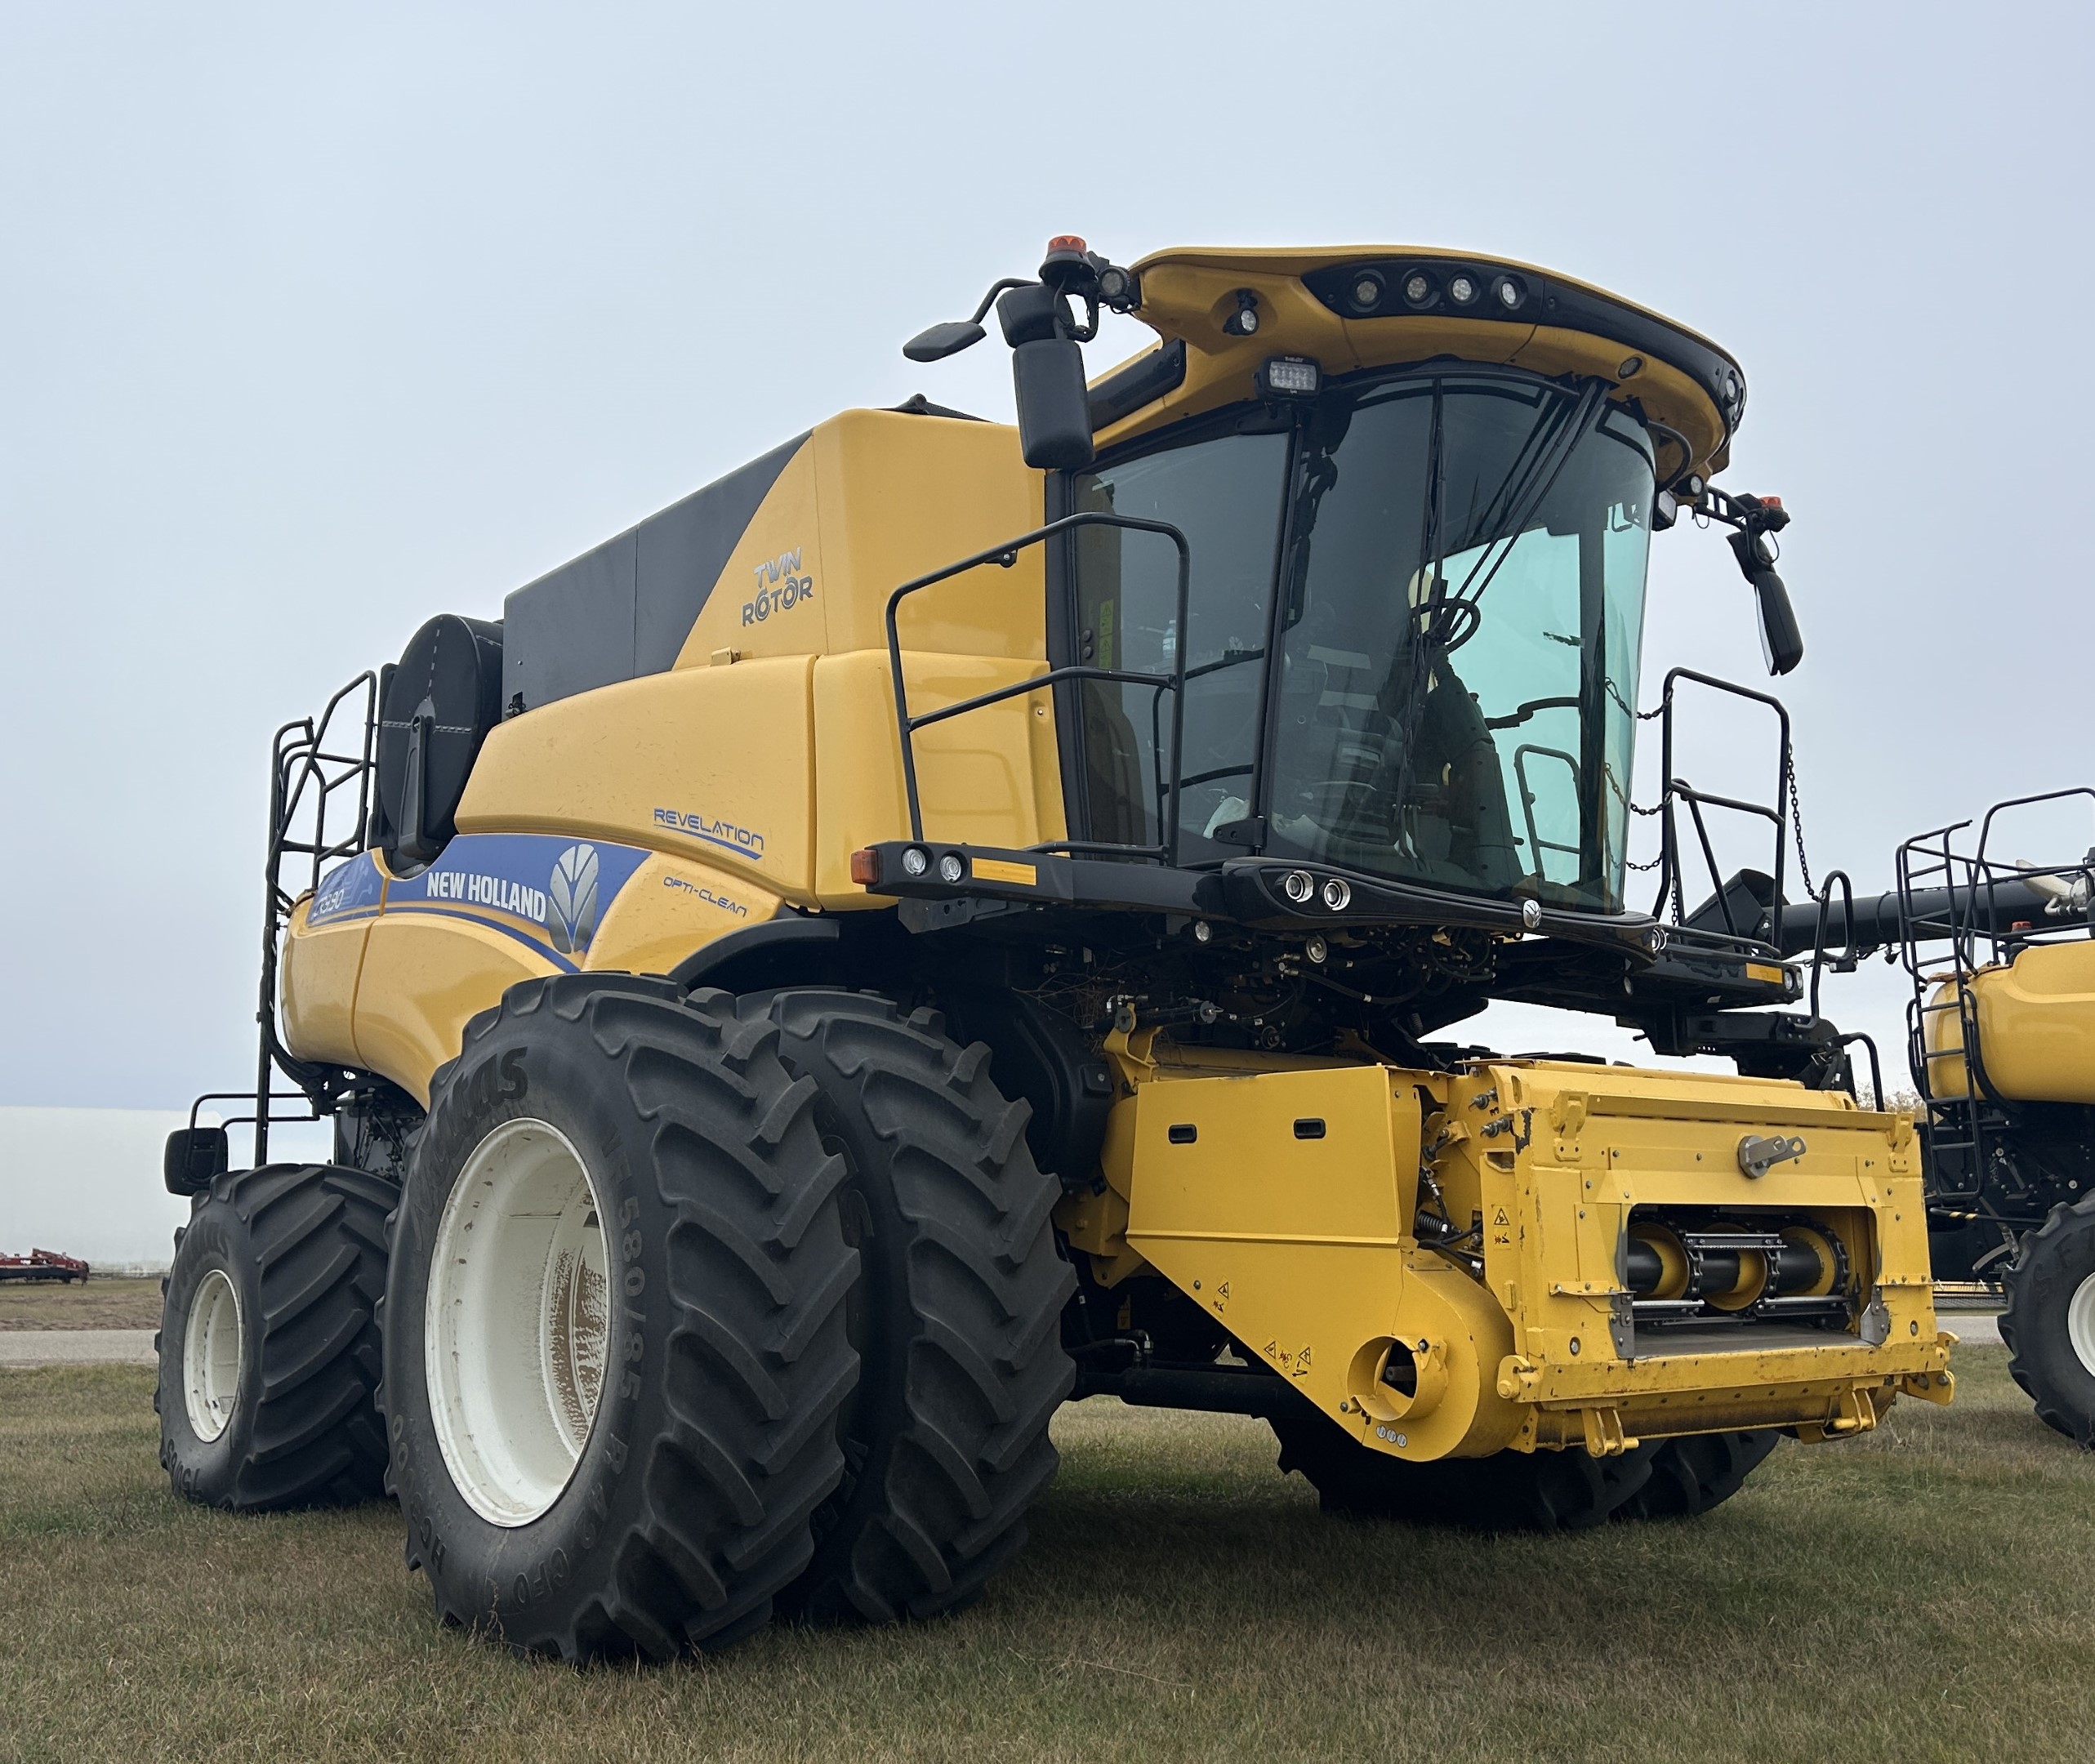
1797, 818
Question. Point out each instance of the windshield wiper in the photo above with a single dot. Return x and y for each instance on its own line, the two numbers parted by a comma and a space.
1523, 493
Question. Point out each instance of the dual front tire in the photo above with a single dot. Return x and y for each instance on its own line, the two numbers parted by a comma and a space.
703, 1310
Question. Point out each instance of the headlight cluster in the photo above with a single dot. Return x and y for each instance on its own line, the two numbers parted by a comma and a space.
1440, 288
916, 863
1303, 890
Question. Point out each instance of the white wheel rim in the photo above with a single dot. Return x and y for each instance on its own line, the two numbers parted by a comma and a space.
211, 1355
519, 1319
2080, 1323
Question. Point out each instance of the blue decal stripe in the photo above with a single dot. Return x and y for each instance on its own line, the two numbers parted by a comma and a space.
729, 845
343, 915
438, 911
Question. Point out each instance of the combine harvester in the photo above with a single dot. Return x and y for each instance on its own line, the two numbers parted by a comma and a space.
2000, 1035
953, 917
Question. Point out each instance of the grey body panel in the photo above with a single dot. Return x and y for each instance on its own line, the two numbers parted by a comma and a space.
625, 608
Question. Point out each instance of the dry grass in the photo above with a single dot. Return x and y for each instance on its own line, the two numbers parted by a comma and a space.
1927, 1593
97, 1303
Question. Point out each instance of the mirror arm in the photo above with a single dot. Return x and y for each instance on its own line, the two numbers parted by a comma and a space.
996, 288
1752, 518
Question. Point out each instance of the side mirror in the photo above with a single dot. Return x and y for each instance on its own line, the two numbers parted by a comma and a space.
1054, 406
1781, 643
195, 1156
941, 341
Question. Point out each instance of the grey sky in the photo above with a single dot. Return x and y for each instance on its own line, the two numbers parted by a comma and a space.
314, 324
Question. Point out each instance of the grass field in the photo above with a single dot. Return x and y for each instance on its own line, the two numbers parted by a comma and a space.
1927, 1593
98, 1303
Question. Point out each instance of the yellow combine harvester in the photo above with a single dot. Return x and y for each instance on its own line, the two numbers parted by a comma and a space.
953, 915
2001, 1045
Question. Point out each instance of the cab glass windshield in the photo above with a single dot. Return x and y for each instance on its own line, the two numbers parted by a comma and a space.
1447, 573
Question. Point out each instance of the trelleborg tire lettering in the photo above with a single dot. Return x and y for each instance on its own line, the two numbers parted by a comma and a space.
711, 1440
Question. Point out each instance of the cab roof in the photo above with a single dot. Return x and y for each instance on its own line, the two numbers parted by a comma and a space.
1355, 307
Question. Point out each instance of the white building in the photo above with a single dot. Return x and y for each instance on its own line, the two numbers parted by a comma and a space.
87, 1182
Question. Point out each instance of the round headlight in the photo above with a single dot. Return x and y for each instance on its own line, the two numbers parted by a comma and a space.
951, 867
1508, 292
1419, 288
1338, 895
1298, 885
1365, 293
916, 861
1462, 288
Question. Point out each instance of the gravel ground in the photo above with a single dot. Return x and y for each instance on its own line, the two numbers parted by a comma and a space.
79, 1347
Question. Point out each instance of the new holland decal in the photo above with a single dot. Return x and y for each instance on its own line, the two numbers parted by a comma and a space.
547, 892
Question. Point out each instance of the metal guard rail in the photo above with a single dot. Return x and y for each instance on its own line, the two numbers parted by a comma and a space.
1175, 682
1677, 789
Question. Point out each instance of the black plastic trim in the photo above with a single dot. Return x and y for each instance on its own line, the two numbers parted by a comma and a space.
758, 955
1141, 382
1547, 301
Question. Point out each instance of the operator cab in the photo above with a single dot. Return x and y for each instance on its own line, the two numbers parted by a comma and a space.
1346, 598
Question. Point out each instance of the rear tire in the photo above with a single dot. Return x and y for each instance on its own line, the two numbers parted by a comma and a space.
1567, 1490
269, 1345
2049, 1324
1692, 1474
615, 1343
957, 1315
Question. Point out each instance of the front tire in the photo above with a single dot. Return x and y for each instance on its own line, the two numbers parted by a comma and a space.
2049, 1324
615, 1343
1697, 1471
1566, 1490
957, 1316
269, 1344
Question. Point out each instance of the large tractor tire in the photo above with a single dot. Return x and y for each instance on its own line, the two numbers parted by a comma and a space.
2049, 1324
269, 1346
1691, 1475
615, 1340
1567, 1490
956, 1316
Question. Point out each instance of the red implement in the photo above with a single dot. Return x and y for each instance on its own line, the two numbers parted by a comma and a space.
41, 1265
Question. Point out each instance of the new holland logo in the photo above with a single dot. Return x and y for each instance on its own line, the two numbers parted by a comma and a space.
571, 894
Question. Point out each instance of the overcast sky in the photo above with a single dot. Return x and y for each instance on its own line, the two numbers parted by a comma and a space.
316, 322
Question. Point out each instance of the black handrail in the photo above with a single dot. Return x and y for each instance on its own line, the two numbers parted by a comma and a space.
300, 758
1006, 554
1846, 962
1675, 788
